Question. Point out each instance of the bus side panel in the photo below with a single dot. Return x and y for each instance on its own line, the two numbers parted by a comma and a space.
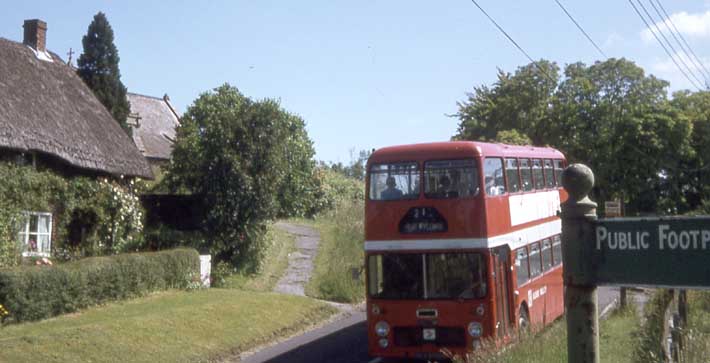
543, 296
498, 216
554, 298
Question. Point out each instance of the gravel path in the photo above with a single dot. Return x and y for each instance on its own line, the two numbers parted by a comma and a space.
300, 262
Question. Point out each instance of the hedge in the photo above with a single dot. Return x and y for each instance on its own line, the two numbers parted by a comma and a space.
39, 292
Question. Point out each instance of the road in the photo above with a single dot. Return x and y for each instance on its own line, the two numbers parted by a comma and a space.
345, 340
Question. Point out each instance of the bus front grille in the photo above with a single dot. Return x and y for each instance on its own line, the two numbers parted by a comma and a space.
445, 337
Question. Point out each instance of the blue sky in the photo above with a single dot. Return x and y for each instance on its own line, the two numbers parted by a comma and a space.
362, 74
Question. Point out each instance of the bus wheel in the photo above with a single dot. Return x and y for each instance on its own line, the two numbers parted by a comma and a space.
524, 319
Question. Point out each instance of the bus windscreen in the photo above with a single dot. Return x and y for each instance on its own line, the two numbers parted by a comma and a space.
427, 276
394, 181
450, 178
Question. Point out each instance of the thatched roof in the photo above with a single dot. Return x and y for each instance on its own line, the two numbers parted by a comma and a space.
154, 120
45, 107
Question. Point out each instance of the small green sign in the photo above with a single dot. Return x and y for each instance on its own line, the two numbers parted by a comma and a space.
659, 252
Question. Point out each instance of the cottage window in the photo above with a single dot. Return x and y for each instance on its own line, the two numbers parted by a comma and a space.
36, 234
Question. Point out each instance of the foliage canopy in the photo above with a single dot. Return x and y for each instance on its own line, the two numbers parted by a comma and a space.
643, 147
251, 160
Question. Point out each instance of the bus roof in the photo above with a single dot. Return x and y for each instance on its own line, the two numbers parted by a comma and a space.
459, 149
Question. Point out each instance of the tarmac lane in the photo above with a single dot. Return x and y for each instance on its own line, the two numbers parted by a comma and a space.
345, 340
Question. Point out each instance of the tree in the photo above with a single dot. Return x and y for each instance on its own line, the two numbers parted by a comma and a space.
244, 157
696, 107
296, 193
516, 101
98, 67
615, 118
609, 115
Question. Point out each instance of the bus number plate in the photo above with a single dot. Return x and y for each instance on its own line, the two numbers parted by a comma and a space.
429, 334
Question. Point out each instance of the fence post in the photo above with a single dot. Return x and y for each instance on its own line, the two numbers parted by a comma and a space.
581, 306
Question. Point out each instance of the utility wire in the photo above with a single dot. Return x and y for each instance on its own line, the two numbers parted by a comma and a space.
675, 52
696, 58
515, 43
690, 70
661, 43
581, 29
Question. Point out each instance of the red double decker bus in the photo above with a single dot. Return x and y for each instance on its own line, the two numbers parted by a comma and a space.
462, 242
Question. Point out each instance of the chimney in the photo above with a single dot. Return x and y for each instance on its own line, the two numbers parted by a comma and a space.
36, 34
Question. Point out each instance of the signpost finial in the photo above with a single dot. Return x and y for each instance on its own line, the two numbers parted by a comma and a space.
578, 180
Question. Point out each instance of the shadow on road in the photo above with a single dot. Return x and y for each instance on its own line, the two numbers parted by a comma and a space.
347, 345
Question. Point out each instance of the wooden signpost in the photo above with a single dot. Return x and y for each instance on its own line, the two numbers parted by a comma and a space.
612, 208
656, 252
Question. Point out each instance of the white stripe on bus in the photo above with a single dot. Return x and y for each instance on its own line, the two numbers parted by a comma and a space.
514, 239
528, 207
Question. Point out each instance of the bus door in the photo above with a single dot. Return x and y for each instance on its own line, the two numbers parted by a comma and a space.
501, 268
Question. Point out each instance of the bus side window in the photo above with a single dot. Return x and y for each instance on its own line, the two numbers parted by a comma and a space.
526, 174
521, 265
558, 172
535, 260
511, 173
557, 250
537, 174
546, 254
549, 177
493, 174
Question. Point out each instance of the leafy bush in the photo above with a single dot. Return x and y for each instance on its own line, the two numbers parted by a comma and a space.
340, 249
649, 336
333, 188
39, 292
219, 274
238, 153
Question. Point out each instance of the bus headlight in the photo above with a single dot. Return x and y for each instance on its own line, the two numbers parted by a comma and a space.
382, 329
383, 343
475, 329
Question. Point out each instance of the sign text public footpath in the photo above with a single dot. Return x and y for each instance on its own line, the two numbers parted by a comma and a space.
669, 252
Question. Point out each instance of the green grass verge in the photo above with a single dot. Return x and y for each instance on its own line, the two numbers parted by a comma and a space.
697, 335
280, 244
173, 326
340, 250
550, 345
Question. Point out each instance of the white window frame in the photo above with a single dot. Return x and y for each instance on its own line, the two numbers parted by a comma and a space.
26, 231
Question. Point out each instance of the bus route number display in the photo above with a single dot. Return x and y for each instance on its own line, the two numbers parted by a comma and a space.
656, 252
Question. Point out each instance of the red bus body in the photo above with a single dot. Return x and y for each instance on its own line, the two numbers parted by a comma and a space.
499, 229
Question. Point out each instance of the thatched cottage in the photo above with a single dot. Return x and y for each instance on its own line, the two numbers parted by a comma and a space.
49, 117
153, 121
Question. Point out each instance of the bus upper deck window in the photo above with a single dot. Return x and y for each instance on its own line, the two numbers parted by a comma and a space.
493, 175
526, 175
537, 174
511, 173
394, 181
549, 177
450, 178
558, 172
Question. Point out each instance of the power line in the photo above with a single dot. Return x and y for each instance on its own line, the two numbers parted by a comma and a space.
689, 69
675, 52
697, 59
661, 43
581, 29
514, 43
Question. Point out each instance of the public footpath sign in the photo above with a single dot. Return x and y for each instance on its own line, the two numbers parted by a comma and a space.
655, 252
